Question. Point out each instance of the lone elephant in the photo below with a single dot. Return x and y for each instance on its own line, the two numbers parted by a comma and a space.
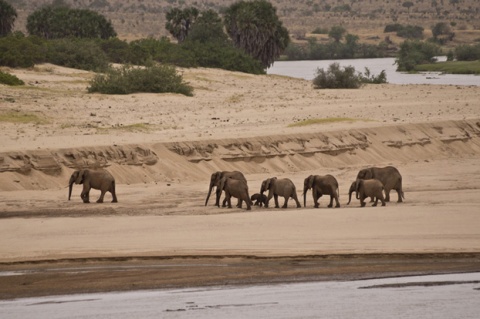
368, 188
235, 188
389, 176
96, 179
215, 182
279, 187
321, 185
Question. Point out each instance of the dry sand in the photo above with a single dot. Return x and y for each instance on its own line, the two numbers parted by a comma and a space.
162, 148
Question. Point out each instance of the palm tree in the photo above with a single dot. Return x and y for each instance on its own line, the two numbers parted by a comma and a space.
255, 28
179, 22
7, 17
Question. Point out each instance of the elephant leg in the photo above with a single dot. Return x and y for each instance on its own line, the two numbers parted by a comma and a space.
387, 194
383, 201
85, 195
228, 198
296, 200
337, 202
399, 192
239, 203
376, 202
114, 197
249, 207
275, 197
102, 194
362, 201
285, 203
372, 199
331, 202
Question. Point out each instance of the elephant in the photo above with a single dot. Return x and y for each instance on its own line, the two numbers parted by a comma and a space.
279, 187
260, 199
236, 188
321, 185
215, 182
389, 176
367, 188
96, 179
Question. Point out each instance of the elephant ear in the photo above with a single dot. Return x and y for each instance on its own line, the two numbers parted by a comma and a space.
81, 176
368, 174
222, 183
311, 180
359, 183
270, 182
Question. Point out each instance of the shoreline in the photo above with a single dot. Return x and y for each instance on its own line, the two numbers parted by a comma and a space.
66, 277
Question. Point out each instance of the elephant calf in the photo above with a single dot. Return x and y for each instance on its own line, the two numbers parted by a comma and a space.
260, 199
100, 179
367, 188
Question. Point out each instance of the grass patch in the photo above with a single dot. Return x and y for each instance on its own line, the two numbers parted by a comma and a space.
9, 79
322, 121
21, 118
451, 67
137, 127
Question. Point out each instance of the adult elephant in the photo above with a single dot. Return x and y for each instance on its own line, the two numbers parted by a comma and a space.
389, 176
235, 188
96, 179
215, 182
321, 185
279, 187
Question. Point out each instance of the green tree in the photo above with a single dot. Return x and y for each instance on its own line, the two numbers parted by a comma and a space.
336, 33
415, 52
442, 32
408, 5
179, 22
208, 27
255, 28
61, 22
7, 17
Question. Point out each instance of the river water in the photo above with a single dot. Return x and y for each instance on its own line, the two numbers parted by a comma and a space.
452, 296
307, 70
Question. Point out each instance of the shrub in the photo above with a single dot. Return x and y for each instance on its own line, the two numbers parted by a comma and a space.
369, 78
319, 30
393, 27
126, 80
415, 52
337, 78
467, 52
411, 32
84, 54
18, 51
9, 79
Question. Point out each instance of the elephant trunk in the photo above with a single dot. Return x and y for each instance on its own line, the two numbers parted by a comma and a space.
209, 193
350, 196
70, 186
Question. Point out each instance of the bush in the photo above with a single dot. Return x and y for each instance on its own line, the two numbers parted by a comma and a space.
393, 27
372, 79
84, 54
468, 52
320, 30
415, 52
18, 51
9, 79
126, 80
337, 78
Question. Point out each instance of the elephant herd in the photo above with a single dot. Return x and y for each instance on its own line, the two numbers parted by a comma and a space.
370, 182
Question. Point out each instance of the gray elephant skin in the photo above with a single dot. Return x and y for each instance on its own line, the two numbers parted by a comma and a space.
235, 188
260, 199
321, 185
367, 188
279, 187
215, 182
96, 179
389, 176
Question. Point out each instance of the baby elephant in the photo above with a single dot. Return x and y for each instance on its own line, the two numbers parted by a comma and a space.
260, 199
367, 188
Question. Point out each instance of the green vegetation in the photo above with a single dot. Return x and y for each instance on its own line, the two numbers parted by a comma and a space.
126, 80
452, 67
335, 49
327, 120
415, 52
7, 18
467, 52
255, 28
9, 79
405, 31
54, 22
20, 117
345, 78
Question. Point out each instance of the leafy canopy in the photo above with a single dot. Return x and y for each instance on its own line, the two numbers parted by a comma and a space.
61, 22
255, 28
7, 18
